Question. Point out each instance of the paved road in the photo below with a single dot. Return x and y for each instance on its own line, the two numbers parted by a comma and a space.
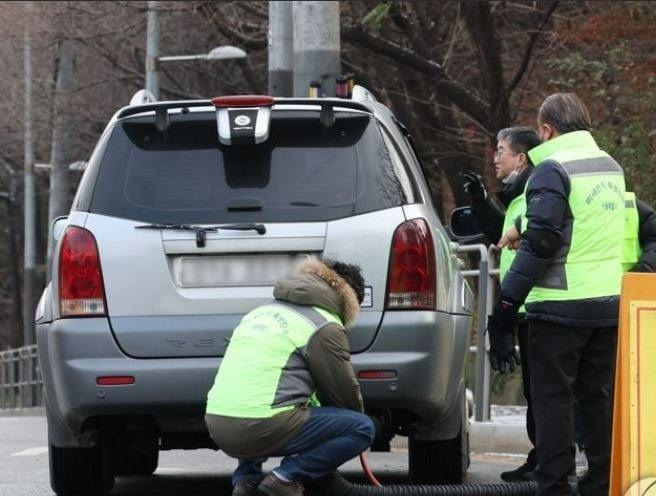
24, 467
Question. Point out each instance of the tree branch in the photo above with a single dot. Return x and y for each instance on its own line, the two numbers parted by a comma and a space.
458, 94
233, 35
254, 81
529, 47
480, 24
252, 9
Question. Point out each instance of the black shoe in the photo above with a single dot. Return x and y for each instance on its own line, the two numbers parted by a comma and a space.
521, 474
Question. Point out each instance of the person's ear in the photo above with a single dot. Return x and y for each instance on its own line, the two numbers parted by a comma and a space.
545, 131
522, 160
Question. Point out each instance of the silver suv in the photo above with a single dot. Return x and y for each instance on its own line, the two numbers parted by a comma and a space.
186, 215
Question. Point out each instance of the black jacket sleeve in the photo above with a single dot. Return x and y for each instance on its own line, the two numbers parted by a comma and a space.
489, 218
547, 203
647, 237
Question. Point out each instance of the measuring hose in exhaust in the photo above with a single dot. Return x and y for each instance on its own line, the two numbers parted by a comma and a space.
338, 486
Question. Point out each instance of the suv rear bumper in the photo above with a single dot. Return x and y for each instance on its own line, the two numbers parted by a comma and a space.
426, 350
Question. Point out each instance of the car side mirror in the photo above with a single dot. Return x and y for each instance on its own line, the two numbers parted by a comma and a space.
464, 226
57, 227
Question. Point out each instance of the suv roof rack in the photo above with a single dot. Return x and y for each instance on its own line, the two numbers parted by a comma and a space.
318, 102
362, 94
141, 97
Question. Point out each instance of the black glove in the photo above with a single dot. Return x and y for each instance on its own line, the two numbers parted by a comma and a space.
501, 330
642, 267
474, 186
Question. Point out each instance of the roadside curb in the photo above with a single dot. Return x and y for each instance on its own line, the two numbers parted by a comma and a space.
37, 411
488, 437
491, 437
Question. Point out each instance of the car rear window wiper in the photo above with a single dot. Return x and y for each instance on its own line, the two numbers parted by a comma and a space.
202, 231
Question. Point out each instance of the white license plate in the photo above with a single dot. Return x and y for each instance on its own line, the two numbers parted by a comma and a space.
254, 270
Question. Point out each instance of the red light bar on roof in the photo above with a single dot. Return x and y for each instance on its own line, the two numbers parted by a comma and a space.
242, 101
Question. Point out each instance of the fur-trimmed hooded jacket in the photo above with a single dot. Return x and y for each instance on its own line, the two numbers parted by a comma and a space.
327, 358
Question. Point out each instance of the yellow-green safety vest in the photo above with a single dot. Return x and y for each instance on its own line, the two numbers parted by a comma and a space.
516, 208
263, 372
631, 250
589, 264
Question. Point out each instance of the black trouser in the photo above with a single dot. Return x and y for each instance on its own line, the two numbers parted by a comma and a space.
522, 338
567, 361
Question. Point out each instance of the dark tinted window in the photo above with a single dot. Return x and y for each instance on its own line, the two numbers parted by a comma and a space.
304, 171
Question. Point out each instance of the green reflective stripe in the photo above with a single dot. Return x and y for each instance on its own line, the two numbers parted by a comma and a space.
569, 141
263, 371
631, 249
590, 266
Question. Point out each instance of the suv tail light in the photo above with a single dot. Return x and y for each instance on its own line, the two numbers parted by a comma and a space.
411, 278
81, 290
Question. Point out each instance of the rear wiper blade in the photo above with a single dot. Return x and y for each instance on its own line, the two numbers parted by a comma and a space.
202, 231
178, 227
248, 226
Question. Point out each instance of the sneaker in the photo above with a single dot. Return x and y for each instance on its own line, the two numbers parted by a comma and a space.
520, 474
245, 488
272, 486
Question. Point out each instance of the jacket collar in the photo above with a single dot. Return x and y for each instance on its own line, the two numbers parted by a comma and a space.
315, 284
511, 191
567, 141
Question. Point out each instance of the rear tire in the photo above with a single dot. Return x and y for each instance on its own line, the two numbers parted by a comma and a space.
80, 471
441, 462
136, 463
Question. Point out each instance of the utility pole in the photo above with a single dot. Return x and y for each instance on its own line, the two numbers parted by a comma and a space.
61, 141
281, 49
152, 49
316, 46
29, 193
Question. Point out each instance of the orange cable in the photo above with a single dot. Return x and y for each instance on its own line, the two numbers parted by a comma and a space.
367, 471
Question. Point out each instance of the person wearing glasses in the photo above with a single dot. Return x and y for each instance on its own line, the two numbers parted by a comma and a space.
513, 167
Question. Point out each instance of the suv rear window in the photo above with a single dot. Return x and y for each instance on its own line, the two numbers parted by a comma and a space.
303, 172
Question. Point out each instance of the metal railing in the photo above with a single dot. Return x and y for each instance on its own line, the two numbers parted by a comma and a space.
486, 274
21, 385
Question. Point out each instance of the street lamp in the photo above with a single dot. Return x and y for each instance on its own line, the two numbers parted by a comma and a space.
219, 53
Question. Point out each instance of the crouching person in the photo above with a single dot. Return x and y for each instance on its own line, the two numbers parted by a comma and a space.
286, 385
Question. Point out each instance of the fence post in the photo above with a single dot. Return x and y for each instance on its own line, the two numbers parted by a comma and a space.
485, 285
21, 384
482, 411
3, 381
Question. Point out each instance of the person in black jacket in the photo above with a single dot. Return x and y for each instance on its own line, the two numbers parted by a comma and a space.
568, 272
513, 167
646, 237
